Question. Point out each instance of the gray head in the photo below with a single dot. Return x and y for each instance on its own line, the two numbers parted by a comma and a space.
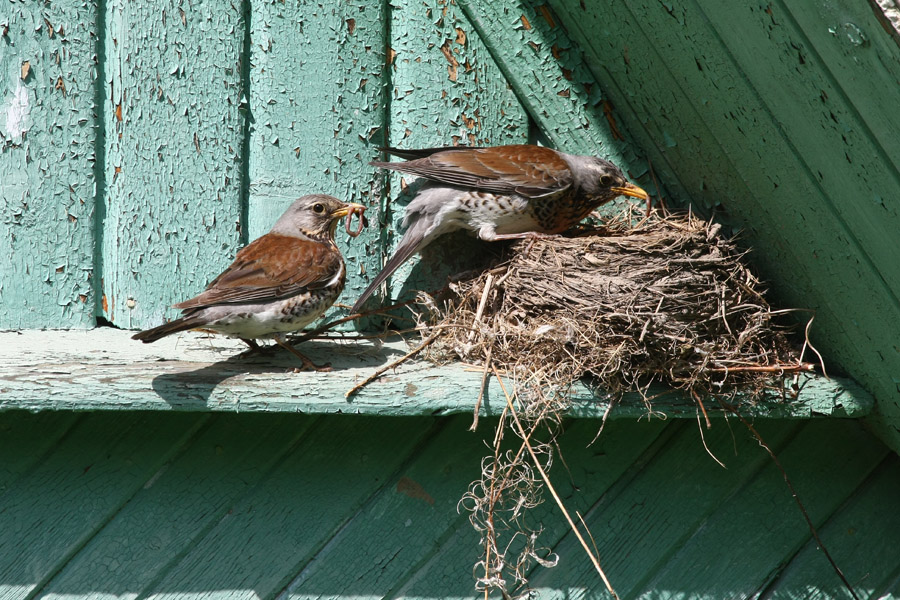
600, 179
315, 216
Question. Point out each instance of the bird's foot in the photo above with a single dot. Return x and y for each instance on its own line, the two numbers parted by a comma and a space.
308, 365
254, 348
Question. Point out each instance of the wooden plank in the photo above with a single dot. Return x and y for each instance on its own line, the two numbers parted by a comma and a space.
272, 533
585, 477
862, 537
552, 80
634, 535
48, 135
412, 514
691, 95
174, 135
92, 472
179, 505
826, 462
56, 370
445, 89
318, 110
24, 440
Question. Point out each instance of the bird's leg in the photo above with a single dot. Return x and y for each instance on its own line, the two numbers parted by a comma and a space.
254, 347
308, 365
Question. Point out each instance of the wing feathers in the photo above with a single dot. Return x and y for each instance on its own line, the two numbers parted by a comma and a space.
527, 170
272, 267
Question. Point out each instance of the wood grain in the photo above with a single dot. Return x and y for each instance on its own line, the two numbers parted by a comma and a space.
48, 138
57, 370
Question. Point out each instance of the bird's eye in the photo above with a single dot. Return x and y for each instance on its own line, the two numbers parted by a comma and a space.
318, 208
606, 180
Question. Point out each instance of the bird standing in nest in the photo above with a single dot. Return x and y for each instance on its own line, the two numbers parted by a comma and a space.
501, 193
279, 283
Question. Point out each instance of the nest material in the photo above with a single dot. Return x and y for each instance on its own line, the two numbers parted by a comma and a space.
665, 301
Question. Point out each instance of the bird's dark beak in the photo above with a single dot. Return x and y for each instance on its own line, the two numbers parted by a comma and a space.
629, 189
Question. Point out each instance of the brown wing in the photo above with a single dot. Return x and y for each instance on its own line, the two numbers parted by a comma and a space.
272, 267
522, 169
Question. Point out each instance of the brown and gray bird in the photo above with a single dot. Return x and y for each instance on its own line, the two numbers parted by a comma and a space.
277, 284
500, 193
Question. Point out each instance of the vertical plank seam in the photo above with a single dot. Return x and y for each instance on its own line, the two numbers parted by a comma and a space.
246, 118
99, 161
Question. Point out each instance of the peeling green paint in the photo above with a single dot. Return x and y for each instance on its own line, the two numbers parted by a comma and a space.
173, 134
788, 130
47, 134
317, 115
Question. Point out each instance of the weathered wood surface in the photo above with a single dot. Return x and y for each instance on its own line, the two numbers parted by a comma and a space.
317, 112
171, 209
444, 89
226, 506
786, 129
48, 143
104, 369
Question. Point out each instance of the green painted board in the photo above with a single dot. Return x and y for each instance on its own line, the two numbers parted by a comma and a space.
62, 370
582, 476
415, 511
36, 435
746, 123
284, 522
624, 526
48, 139
173, 132
824, 475
317, 113
228, 506
91, 473
855, 541
191, 494
445, 89
551, 78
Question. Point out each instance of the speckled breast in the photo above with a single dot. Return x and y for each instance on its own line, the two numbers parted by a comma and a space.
557, 213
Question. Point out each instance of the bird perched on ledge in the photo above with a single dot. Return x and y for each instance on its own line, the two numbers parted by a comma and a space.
501, 193
279, 283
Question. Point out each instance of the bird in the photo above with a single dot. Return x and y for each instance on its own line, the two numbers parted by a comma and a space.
500, 193
279, 283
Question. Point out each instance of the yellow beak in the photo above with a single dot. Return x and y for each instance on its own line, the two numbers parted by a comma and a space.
349, 208
629, 189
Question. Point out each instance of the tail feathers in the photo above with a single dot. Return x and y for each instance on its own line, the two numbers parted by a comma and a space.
182, 324
413, 240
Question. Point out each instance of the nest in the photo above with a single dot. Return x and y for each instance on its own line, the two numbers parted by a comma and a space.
668, 300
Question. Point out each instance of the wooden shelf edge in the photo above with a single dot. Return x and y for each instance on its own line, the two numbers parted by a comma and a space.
103, 369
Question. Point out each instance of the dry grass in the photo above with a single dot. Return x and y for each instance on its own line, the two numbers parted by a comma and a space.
666, 301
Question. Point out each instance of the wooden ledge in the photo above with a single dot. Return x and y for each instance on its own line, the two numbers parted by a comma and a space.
103, 369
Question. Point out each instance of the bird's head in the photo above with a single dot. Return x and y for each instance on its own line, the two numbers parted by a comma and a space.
315, 216
600, 179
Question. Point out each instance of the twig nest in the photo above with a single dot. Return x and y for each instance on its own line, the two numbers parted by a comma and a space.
667, 300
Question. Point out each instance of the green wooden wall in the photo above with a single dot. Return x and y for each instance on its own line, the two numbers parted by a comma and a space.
144, 142
781, 116
226, 506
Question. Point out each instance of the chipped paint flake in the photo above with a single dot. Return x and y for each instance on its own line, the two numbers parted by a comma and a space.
18, 112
